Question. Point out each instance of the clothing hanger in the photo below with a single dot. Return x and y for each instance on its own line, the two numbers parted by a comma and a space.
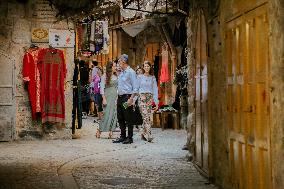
33, 46
53, 49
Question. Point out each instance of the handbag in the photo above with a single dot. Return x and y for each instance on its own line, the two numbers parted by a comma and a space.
138, 116
135, 117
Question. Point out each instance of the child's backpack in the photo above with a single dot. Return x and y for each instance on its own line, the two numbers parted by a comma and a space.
96, 81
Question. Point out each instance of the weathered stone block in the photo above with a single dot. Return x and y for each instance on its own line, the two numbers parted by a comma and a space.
16, 10
22, 31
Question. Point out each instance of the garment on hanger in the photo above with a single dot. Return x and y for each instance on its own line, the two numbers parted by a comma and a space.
92, 36
99, 36
105, 49
52, 70
77, 103
31, 77
165, 67
83, 37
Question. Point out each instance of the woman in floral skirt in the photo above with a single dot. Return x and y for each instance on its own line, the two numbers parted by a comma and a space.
148, 91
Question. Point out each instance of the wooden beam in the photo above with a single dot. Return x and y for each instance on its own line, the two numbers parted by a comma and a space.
127, 23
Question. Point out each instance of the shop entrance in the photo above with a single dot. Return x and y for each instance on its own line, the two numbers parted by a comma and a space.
248, 107
201, 102
7, 98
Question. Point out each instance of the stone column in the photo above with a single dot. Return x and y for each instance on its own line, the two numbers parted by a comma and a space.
190, 64
276, 38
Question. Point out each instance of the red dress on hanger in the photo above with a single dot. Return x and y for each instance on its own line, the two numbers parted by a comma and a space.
32, 78
52, 70
164, 77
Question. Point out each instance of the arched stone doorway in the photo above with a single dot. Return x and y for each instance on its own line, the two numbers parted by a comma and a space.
7, 97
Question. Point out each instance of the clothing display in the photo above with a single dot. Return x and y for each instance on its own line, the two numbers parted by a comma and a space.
83, 37
44, 73
105, 49
32, 78
52, 69
77, 104
85, 87
165, 69
98, 36
93, 37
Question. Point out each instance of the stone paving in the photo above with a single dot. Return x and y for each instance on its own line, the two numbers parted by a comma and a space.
89, 162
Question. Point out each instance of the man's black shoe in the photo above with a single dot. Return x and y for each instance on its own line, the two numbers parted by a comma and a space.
118, 140
127, 141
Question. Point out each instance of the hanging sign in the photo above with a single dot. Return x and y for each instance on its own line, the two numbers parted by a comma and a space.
61, 38
39, 35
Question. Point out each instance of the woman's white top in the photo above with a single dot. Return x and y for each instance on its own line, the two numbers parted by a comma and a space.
148, 84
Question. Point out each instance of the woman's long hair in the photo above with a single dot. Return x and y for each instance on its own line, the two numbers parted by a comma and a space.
108, 72
151, 72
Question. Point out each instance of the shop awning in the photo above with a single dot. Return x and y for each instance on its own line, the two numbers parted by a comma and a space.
135, 28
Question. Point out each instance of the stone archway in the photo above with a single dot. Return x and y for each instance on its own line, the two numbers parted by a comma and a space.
7, 97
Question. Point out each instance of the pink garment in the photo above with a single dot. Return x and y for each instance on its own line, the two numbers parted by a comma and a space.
164, 77
96, 87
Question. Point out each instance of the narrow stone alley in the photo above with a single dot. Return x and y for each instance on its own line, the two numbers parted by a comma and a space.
98, 163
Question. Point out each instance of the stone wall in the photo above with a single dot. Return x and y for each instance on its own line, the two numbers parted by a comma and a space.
190, 88
276, 10
217, 106
16, 22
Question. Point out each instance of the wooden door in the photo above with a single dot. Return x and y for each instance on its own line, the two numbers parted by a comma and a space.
201, 88
247, 57
7, 100
152, 50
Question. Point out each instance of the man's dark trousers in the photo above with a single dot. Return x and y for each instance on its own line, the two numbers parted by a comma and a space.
124, 116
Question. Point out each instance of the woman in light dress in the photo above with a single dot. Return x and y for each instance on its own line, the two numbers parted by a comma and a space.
109, 93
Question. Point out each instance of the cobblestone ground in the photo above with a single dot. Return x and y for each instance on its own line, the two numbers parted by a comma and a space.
98, 163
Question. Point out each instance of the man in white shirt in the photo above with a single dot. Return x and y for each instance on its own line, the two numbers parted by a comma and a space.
127, 90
